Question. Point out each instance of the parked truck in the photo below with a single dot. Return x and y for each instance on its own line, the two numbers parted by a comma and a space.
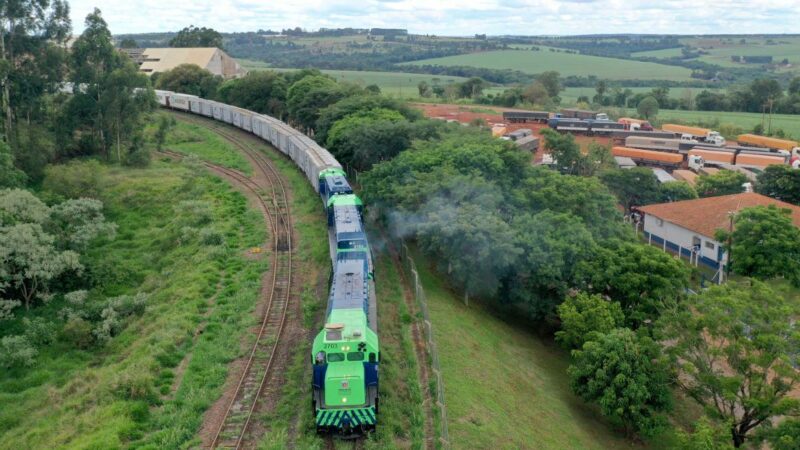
649, 143
526, 116
649, 157
583, 114
792, 147
700, 134
635, 124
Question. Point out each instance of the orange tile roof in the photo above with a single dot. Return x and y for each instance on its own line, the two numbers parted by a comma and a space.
706, 215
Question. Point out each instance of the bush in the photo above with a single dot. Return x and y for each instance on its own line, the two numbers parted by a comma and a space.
210, 236
78, 332
39, 331
17, 351
74, 180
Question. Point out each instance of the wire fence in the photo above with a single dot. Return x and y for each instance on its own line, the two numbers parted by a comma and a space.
419, 294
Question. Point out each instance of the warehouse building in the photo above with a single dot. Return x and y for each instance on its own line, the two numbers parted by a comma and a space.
688, 227
154, 60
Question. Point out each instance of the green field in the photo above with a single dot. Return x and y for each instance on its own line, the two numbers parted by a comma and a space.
506, 388
570, 95
720, 50
392, 83
565, 63
788, 123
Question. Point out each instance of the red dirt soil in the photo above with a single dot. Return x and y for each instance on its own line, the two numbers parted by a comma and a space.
466, 114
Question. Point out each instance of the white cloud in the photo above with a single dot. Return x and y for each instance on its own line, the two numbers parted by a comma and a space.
453, 17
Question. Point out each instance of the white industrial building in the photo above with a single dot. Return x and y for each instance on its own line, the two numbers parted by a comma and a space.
688, 227
216, 61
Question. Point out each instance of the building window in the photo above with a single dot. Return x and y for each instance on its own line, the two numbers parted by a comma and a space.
710, 245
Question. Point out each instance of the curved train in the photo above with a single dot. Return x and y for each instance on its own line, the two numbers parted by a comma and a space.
346, 353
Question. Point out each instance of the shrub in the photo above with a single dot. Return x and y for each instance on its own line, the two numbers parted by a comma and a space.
16, 351
584, 317
78, 332
74, 180
210, 236
39, 331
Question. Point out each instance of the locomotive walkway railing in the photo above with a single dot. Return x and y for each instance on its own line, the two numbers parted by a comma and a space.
419, 294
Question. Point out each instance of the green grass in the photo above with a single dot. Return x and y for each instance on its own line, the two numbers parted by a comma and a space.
565, 63
663, 53
189, 138
506, 388
570, 95
787, 122
120, 394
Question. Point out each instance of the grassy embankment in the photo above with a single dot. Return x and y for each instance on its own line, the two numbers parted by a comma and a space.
505, 387
131, 391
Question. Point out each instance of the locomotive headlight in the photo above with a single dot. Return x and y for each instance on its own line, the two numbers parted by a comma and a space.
344, 399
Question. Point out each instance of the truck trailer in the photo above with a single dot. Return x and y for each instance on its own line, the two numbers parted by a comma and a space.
526, 116
635, 124
649, 157
755, 140
650, 143
571, 113
701, 134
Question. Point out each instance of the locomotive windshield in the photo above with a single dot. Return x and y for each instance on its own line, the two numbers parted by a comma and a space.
355, 356
335, 357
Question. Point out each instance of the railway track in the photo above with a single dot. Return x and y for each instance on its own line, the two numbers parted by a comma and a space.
258, 378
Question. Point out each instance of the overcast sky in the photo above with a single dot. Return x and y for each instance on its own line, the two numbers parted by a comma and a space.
452, 17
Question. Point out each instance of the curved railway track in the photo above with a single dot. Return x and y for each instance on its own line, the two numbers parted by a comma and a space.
258, 376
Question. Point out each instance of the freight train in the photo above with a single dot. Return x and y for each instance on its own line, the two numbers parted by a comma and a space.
346, 354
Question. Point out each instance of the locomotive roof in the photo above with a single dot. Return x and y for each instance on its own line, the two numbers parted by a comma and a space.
347, 219
337, 181
349, 287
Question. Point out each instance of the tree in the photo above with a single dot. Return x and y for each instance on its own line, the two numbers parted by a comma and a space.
648, 107
471, 88
29, 261
584, 317
551, 81
342, 140
601, 88
780, 182
643, 279
31, 63
785, 436
128, 43
164, 124
308, 96
10, 176
551, 245
566, 153
676, 191
424, 89
626, 375
536, 93
724, 182
794, 86
764, 243
190, 79
357, 103
110, 97
734, 348
263, 91
192, 36
637, 186
706, 436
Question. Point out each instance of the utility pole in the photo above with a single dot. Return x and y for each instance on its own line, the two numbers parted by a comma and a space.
731, 215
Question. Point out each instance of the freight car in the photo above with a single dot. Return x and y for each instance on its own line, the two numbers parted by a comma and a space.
526, 116
346, 353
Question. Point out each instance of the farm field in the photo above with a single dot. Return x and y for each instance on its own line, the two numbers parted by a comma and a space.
392, 83
565, 63
504, 387
663, 53
787, 122
570, 95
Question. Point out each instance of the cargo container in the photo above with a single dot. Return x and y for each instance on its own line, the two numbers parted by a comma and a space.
685, 175
701, 134
583, 114
648, 143
714, 155
635, 124
649, 157
759, 160
769, 142
526, 116
530, 143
